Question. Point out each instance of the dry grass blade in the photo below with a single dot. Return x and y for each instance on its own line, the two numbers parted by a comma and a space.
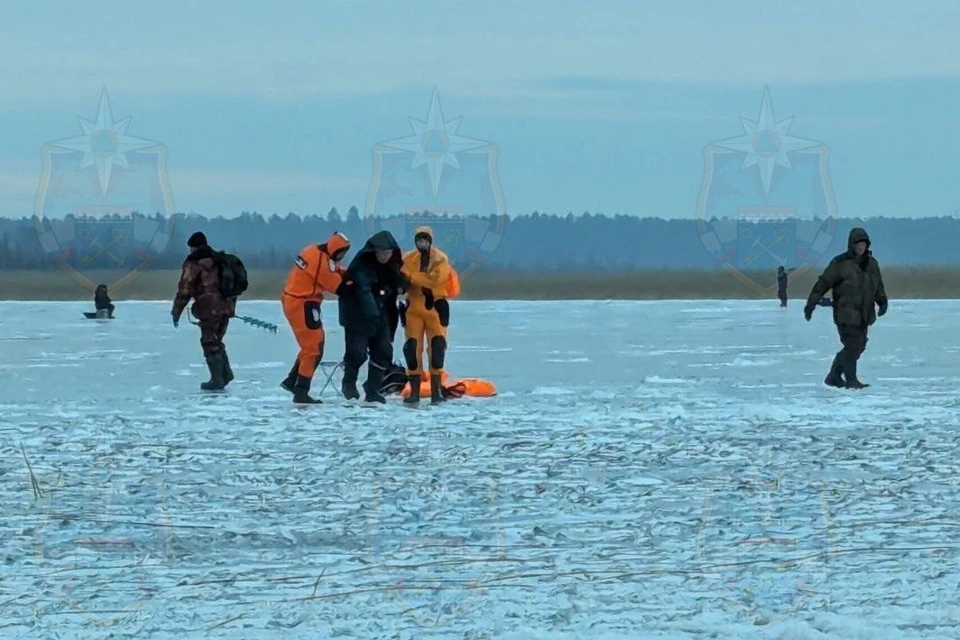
226, 622
317, 583
37, 492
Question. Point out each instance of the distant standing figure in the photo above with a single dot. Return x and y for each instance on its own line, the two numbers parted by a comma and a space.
200, 280
782, 279
101, 300
854, 276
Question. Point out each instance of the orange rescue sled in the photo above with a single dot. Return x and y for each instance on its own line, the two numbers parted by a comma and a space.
472, 387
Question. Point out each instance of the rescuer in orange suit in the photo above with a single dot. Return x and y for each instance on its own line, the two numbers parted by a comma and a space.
315, 271
426, 312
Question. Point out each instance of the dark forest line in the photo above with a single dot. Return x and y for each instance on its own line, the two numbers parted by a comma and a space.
529, 243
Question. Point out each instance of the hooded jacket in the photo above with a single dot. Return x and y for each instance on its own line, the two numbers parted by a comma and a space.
369, 290
315, 269
428, 281
856, 283
101, 300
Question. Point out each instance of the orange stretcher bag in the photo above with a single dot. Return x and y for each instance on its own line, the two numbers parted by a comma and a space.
453, 285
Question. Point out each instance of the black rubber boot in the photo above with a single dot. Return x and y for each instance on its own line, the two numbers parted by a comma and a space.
348, 387
291, 379
301, 392
436, 390
851, 374
215, 365
835, 377
414, 382
371, 387
227, 371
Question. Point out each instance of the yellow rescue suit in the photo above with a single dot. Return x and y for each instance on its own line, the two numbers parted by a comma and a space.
427, 312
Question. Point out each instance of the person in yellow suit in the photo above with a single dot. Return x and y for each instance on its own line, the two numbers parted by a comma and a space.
426, 313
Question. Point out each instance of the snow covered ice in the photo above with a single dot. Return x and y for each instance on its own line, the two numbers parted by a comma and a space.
648, 470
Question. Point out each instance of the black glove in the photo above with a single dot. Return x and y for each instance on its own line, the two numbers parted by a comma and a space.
808, 311
453, 391
402, 308
883, 307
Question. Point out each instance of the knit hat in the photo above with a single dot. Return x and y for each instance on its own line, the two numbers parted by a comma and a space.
197, 240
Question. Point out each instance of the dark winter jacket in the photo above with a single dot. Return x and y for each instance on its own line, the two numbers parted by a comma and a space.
200, 280
781, 280
101, 300
856, 283
369, 290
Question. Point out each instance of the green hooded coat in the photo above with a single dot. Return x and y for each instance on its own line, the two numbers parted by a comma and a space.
856, 283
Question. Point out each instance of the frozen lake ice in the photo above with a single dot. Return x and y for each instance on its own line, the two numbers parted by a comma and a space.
648, 470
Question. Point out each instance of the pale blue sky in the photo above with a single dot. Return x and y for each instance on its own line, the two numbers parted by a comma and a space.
602, 106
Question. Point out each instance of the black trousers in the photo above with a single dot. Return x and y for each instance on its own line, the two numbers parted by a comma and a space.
358, 340
853, 337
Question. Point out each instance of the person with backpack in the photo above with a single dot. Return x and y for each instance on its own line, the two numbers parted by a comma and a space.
213, 279
426, 313
369, 314
315, 270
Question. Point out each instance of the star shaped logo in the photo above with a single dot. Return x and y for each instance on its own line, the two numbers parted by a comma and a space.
766, 142
435, 143
104, 142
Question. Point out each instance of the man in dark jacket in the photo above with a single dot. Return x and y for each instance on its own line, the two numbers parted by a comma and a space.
857, 286
101, 300
369, 313
782, 280
200, 280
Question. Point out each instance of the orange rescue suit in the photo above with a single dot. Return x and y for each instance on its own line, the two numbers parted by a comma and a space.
314, 272
427, 313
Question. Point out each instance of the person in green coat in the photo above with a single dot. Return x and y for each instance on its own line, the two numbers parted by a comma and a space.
854, 276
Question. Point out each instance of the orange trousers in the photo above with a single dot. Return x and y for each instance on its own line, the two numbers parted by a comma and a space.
421, 324
304, 318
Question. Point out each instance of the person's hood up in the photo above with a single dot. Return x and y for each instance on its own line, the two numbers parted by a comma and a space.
423, 231
857, 234
337, 242
379, 241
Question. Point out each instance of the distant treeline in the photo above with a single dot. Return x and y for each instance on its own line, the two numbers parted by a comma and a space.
529, 243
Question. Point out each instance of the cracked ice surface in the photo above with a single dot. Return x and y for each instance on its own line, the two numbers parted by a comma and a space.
649, 470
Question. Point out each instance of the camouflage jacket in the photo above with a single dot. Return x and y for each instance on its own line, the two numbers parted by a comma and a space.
199, 280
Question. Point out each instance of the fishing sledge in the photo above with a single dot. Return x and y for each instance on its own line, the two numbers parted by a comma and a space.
102, 314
